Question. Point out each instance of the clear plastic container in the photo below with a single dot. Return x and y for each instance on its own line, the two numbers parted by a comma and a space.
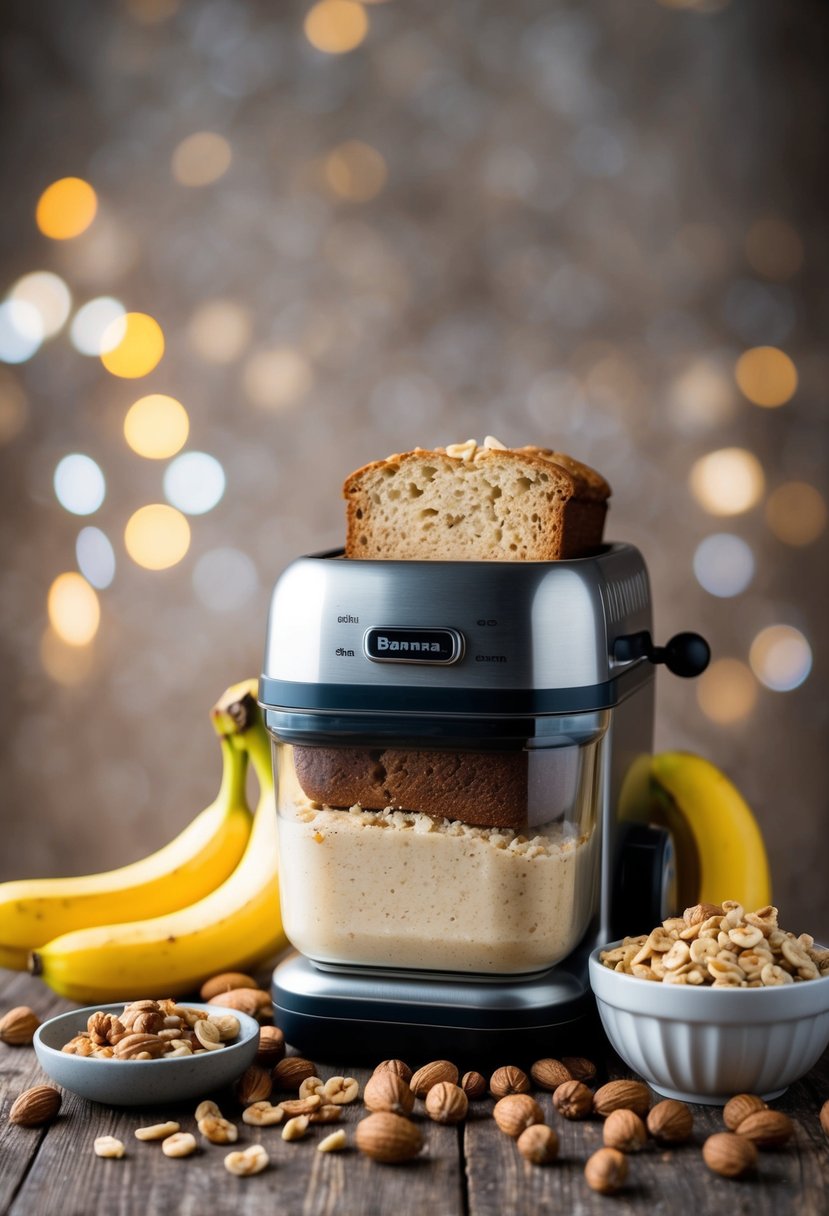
462, 860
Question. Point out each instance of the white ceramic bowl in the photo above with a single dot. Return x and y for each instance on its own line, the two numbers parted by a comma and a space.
142, 1082
707, 1044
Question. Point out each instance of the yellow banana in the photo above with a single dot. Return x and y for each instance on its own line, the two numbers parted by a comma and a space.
33, 911
234, 927
709, 818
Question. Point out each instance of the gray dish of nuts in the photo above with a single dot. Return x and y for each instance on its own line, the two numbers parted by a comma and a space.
149, 1069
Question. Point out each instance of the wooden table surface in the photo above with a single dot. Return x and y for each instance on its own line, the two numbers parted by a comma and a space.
472, 1169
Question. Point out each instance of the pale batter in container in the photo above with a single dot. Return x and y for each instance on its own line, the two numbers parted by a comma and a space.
401, 889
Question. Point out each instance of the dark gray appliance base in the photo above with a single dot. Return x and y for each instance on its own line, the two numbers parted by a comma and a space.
364, 1016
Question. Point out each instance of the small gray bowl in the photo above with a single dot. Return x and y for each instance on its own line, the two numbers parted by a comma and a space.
142, 1082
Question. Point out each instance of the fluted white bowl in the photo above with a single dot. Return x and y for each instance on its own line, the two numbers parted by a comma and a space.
707, 1044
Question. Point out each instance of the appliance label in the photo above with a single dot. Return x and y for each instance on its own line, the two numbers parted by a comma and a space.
395, 645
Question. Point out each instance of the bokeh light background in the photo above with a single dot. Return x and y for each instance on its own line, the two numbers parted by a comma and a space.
247, 247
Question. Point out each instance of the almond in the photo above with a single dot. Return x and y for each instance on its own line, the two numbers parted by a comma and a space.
252, 1001
400, 1067
508, 1080
446, 1103
767, 1128
386, 1137
573, 1100
473, 1085
271, 1046
670, 1122
291, 1072
254, 1085
432, 1074
740, 1107
387, 1091
728, 1154
516, 1112
549, 1074
18, 1026
579, 1067
36, 1106
624, 1130
622, 1095
538, 1144
606, 1171
225, 982
824, 1117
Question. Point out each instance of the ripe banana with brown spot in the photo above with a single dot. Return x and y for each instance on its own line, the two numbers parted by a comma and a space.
235, 927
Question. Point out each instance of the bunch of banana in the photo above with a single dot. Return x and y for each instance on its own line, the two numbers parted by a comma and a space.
236, 926
33, 911
719, 845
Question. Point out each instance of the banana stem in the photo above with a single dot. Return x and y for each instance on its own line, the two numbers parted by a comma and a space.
237, 718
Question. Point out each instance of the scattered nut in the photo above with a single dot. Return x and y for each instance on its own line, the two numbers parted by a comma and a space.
262, 1114
824, 1117
139, 1046
622, 1095
728, 1154
226, 982
538, 1144
36, 1106
333, 1142
310, 1086
253, 1001
579, 1067
606, 1171
508, 1080
767, 1128
549, 1074
228, 1025
573, 1100
271, 1046
157, 1131
295, 1128
218, 1130
251, 1160
291, 1072
302, 1106
624, 1130
208, 1035
180, 1144
400, 1067
721, 946
389, 1138
18, 1026
387, 1090
473, 1085
326, 1114
108, 1146
254, 1085
446, 1103
670, 1122
740, 1107
341, 1090
515, 1112
432, 1074
207, 1108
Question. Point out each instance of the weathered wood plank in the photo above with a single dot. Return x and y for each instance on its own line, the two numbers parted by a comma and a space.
19, 1070
55, 1169
791, 1182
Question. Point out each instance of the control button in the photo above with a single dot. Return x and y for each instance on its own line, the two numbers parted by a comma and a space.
392, 644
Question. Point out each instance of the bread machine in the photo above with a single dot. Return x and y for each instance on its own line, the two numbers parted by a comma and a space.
450, 743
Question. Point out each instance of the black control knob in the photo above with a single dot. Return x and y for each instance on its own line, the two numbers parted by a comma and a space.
686, 654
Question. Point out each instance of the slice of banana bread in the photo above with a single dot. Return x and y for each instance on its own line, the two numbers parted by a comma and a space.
470, 503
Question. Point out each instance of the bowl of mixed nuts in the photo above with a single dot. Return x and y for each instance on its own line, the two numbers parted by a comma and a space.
716, 1002
147, 1052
